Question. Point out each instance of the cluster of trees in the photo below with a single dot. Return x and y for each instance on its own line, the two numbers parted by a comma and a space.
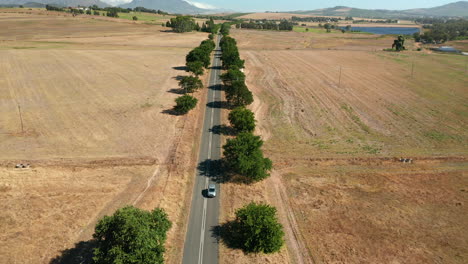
444, 31
328, 27
131, 235
54, 8
181, 24
113, 12
387, 21
147, 10
108, 11
267, 25
316, 19
196, 60
225, 28
210, 27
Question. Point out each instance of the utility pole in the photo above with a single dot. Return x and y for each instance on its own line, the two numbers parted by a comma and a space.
21, 118
339, 79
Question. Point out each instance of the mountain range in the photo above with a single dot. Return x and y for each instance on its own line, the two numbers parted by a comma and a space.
171, 6
31, 3
457, 9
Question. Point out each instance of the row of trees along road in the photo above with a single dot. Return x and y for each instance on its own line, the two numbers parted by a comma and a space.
181, 24
196, 60
255, 228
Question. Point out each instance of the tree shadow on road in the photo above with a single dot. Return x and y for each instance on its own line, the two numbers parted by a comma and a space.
214, 169
82, 253
218, 104
223, 130
217, 87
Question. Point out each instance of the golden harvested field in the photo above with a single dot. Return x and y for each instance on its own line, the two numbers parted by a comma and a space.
82, 100
341, 191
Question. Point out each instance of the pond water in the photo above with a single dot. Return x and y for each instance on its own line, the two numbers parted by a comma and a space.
388, 30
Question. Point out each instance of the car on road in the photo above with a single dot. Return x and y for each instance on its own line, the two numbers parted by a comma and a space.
211, 190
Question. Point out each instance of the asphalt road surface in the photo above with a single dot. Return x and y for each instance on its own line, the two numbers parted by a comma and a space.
201, 243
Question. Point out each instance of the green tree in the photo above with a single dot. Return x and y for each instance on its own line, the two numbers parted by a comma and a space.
257, 229
328, 27
242, 119
190, 84
88, 12
135, 18
185, 103
195, 67
244, 157
231, 75
399, 43
131, 236
199, 54
182, 24
238, 94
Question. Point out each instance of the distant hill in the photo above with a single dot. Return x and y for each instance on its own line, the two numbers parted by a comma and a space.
171, 6
457, 9
54, 2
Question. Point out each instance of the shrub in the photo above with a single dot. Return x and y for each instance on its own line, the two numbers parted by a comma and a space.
185, 103
242, 119
244, 157
131, 235
256, 229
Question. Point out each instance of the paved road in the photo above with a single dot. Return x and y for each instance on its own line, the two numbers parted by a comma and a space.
201, 245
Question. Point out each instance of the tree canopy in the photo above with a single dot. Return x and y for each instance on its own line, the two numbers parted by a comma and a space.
244, 157
242, 119
237, 94
185, 103
190, 84
131, 236
195, 67
182, 24
257, 229
231, 75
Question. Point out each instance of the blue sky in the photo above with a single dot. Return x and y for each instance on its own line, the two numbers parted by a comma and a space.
284, 5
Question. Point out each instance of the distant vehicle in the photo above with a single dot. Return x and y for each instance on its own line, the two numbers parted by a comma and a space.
211, 190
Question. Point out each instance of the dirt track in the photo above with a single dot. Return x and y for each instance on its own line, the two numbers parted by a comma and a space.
92, 96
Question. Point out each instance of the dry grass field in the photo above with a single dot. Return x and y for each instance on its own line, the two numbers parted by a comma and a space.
342, 193
82, 100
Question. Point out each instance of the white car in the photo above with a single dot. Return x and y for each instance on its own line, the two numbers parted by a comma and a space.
211, 190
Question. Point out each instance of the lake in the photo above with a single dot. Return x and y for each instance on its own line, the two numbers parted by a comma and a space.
387, 30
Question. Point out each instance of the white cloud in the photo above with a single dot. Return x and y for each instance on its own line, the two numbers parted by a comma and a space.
201, 5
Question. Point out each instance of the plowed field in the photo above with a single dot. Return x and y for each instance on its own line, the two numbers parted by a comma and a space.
337, 113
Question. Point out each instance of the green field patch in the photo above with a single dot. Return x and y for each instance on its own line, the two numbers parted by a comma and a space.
309, 30
142, 16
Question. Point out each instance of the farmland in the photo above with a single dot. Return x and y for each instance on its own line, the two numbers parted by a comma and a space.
335, 142
83, 102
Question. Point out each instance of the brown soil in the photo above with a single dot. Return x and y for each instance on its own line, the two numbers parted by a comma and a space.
83, 101
341, 191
